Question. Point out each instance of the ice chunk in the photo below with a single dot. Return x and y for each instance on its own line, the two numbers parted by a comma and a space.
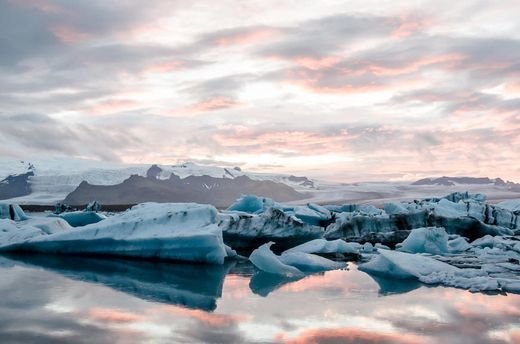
290, 264
450, 209
395, 208
12, 211
312, 214
404, 265
310, 262
511, 204
13, 232
80, 218
264, 259
400, 265
253, 204
326, 246
182, 231
367, 248
432, 240
244, 231
458, 245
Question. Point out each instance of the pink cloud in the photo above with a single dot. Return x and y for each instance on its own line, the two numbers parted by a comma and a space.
209, 319
109, 315
164, 67
68, 34
410, 25
114, 105
348, 335
247, 37
211, 104
40, 5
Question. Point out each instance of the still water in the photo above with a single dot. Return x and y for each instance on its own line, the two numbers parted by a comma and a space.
55, 299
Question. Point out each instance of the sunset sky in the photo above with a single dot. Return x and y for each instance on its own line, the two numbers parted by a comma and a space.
352, 90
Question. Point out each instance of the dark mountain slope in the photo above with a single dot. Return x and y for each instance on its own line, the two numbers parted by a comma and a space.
220, 192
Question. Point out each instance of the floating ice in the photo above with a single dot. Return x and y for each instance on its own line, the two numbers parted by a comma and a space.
12, 211
264, 259
253, 204
80, 218
458, 245
326, 246
183, 231
309, 262
290, 264
432, 240
511, 204
404, 265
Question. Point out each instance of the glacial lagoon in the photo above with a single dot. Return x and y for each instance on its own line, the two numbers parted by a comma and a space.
53, 299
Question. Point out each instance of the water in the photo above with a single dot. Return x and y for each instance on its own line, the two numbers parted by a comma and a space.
53, 299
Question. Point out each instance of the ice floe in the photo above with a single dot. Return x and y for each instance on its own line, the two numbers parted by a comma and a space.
183, 231
290, 263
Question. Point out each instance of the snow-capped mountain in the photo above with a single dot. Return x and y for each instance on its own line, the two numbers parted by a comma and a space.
51, 180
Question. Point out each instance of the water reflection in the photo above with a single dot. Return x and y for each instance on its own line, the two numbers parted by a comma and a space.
70, 299
189, 285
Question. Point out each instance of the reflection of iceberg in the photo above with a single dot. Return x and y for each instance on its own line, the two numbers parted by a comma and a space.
189, 285
263, 283
388, 286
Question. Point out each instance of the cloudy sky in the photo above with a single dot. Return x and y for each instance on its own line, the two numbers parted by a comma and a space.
352, 90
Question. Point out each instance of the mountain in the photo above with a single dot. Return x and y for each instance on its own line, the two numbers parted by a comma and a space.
15, 185
51, 180
218, 191
452, 181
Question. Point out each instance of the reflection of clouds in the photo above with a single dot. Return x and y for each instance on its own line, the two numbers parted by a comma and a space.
335, 307
108, 315
349, 335
460, 316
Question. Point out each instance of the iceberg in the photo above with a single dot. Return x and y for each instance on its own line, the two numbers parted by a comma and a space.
253, 204
264, 259
182, 231
326, 246
310, 262
459, 213
290, 264
433, 240
403, 265
511, 205
458, 245
12, 211
312, 214
80, 218
494, 272
245, 231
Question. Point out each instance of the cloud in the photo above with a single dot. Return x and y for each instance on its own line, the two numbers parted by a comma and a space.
344, 88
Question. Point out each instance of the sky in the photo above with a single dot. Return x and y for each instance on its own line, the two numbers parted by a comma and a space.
343, 90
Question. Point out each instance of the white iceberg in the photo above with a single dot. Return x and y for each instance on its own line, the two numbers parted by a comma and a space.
310, 262
264, 259
290, 264
253, 204
458, 245
12, 211
510, 204
183, 231
326, 246
433, 240
403, 265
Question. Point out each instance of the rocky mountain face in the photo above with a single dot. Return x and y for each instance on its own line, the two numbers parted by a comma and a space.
220, 192
15, 185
